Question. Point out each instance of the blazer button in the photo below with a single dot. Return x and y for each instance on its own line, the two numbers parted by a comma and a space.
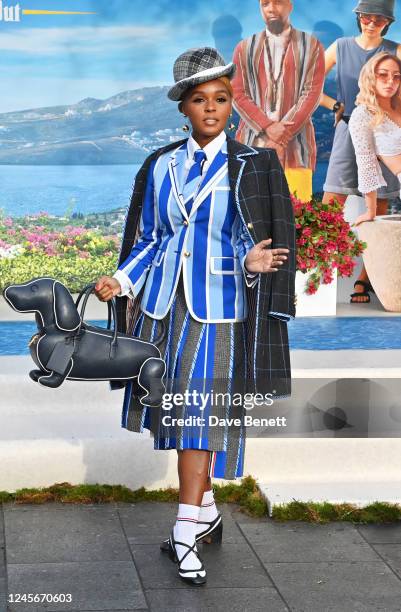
250, 225
185, 222
187, 254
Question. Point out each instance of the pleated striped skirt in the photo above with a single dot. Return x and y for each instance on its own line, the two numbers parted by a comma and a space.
205, 383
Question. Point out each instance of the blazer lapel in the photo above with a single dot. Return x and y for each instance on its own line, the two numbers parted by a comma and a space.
176, 171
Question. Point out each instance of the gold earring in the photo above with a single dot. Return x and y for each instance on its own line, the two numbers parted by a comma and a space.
232, 125
185, 127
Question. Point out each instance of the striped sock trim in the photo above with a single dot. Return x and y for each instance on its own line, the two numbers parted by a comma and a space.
212, 461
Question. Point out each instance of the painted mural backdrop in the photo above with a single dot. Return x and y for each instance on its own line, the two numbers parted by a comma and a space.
83, 101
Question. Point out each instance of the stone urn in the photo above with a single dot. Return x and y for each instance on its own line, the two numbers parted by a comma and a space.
382, 258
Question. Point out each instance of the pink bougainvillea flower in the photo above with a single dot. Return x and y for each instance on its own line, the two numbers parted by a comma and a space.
325, 242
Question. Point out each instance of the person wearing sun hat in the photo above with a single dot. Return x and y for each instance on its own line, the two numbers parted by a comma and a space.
385, 8
208, 250
349, 54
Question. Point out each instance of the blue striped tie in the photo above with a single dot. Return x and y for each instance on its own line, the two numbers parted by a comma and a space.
192, 182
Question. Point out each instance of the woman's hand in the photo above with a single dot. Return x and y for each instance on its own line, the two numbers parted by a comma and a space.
263, 259
367, 216
106, 288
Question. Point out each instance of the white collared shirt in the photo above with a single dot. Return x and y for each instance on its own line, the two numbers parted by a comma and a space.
210, 149
276, 45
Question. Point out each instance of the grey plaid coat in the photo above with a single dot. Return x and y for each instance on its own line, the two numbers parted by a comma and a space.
263, 201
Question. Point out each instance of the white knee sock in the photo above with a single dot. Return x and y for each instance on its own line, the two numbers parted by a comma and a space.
208, 511
185, 531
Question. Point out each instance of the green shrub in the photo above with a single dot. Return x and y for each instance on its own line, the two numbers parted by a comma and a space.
74, 271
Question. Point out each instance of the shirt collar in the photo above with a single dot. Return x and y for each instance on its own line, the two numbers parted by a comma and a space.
210, 149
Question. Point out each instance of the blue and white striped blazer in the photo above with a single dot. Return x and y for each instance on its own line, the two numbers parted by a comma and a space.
209, 244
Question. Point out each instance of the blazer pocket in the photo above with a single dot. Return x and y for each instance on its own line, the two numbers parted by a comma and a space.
225, 265
158, 258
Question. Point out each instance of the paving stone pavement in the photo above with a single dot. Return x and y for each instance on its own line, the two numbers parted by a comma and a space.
106, 558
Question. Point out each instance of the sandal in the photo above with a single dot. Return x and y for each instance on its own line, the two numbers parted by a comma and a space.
196, 580
365, 294
212, 534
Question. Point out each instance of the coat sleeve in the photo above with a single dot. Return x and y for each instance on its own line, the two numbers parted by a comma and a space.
370, 177
133, 270
243, 103
129, 235
309, 97
282, 297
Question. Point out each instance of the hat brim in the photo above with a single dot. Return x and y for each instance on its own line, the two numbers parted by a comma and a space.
358, 11
177, 91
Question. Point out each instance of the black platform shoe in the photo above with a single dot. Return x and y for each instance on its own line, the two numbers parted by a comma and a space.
197, 580
212, 534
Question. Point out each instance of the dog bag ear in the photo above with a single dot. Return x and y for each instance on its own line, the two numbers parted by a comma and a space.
65, 311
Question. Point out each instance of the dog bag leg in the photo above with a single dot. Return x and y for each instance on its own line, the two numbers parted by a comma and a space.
35, 374
52, 380
150, 379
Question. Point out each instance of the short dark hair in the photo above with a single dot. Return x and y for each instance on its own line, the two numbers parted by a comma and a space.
382, 33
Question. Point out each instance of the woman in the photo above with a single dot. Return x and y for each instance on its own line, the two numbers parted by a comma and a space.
349, 55
375, 127
196, 255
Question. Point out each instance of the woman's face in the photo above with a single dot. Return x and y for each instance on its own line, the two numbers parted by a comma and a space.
372, 25
388, 78
208, 107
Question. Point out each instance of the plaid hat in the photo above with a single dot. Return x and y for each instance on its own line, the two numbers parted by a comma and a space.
198, 66
376, 7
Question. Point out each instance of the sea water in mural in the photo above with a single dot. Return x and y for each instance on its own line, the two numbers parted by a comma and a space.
83, 102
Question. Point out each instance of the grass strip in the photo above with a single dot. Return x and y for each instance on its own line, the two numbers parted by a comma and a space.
246, 495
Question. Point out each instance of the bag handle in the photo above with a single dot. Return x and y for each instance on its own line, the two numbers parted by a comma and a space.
108, 303
111, 306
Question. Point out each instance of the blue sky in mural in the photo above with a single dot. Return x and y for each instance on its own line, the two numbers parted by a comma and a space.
50, 60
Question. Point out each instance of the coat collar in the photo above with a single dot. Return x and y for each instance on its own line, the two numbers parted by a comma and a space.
238, 150
238, 153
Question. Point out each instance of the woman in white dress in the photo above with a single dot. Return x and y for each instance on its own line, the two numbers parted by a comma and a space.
375, 127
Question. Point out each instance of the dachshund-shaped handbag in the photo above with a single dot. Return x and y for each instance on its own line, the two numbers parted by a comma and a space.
66, 347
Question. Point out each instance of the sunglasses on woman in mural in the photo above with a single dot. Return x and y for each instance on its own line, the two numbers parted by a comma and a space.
377, 20
385, 76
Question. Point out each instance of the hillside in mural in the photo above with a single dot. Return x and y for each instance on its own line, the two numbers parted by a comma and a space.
122, 129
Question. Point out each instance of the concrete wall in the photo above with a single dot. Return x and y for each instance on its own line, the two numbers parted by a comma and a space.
73, 434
